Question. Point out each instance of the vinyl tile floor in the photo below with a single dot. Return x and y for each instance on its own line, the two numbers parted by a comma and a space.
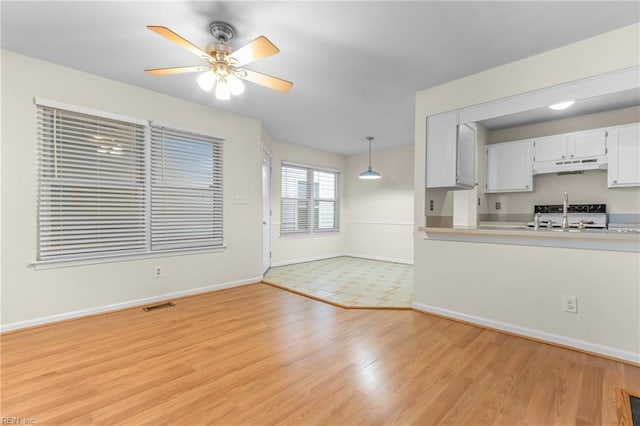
349, 281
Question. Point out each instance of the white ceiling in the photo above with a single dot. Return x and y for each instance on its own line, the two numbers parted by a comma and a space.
356, 65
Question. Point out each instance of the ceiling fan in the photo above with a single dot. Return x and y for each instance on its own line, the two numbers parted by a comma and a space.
225, 66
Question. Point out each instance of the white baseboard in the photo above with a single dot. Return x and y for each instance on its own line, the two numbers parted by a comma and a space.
306, 259
122, 305
539, 335
381, 258
331, 256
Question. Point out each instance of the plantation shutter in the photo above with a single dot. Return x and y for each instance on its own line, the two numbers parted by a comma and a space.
326, 207
295, 200
186, 190
309, 201
92, 193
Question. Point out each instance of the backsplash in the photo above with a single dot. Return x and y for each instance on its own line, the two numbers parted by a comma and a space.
587, 188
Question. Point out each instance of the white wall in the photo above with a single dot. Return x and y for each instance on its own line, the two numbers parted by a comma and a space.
29, 294
379, 214
517, 285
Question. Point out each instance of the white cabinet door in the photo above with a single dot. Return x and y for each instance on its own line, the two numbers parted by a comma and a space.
451, 156
441, 149
550, 148
509, 167
587, 144
624, 156
466, 156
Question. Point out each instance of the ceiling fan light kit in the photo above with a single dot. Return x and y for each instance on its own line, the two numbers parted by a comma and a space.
370, 173
223, 73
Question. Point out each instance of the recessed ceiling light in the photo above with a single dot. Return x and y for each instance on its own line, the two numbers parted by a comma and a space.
562, 105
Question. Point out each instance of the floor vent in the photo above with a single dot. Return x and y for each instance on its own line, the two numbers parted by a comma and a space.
158, 306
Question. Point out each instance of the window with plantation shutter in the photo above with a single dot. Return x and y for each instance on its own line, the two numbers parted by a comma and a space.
186, 190
92, 185
309, 201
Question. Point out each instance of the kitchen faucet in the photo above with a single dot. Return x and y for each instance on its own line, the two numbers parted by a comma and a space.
565, 212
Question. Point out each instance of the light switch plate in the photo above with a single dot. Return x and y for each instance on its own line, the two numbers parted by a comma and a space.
242, 199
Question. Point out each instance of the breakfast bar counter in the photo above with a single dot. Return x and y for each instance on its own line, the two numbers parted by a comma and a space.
615, 239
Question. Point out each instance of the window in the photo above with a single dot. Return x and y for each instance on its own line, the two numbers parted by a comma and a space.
92, 185
105, 192
309, 201
186, 190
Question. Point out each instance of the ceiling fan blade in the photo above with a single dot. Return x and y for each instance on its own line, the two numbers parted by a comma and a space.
259, 48
171, 36
177, 70
274, 83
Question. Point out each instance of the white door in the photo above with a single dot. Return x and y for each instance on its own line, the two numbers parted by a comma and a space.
266, 211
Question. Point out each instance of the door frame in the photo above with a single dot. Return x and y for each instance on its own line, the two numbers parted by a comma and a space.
266, 209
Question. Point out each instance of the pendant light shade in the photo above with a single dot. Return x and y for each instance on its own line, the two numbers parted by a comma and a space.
370, 173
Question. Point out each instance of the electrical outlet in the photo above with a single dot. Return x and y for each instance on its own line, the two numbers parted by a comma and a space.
498, 205
570, 304
430, 205
157, 271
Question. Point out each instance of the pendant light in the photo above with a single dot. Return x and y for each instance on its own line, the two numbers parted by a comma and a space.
370, 173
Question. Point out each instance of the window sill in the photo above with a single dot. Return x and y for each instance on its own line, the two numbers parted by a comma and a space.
50, 264
310, 235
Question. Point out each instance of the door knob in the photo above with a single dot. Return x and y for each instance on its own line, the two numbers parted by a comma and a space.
264, 222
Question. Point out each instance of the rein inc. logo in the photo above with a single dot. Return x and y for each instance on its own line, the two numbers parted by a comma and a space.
14, 420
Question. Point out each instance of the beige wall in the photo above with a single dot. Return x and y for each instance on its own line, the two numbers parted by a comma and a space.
291, 249
29, 294
522, 286
379, 213
376, 216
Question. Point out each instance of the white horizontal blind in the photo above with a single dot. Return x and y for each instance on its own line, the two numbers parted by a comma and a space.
186, 190
92, 195
309, 200
295, 205
325, 207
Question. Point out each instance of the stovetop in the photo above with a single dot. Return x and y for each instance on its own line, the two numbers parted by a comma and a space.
591, 215
572, 208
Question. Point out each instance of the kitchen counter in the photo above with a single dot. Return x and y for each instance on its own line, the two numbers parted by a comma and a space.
615, 239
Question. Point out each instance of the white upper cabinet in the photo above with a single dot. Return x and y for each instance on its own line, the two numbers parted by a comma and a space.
587, 144
509, 167
451, 153
584, 150
624, 156
551, 148
466, 156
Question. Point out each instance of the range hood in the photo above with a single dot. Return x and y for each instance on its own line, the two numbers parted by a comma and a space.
571, 165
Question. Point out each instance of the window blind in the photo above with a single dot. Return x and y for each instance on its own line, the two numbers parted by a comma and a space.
92, 189
325, 209
186, 190
309, 201
295, 208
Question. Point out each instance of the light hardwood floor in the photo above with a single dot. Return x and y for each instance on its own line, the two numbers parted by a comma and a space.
260, 355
